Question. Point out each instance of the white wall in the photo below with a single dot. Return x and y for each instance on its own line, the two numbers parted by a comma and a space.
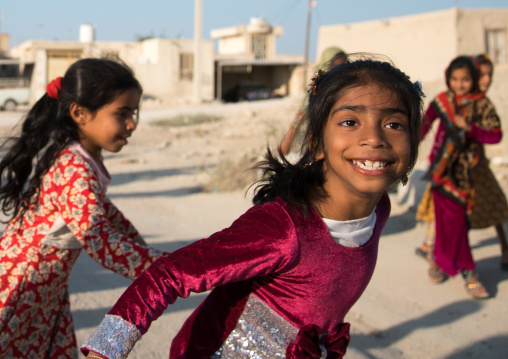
420, 45
157, 67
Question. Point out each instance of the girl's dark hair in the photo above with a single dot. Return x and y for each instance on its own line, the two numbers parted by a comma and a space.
300, 182
91, 83
484, 59
463, 62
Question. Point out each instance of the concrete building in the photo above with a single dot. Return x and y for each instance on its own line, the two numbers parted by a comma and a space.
423, 45
246, 54
4, 45
163, 66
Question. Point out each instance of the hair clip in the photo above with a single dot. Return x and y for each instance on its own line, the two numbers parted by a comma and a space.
418, 85
312, 85
54, 87
485, 56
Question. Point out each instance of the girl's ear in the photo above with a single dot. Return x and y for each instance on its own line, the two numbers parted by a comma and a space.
78, 113
315, 148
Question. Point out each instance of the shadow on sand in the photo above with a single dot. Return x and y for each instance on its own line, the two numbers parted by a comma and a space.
386, 339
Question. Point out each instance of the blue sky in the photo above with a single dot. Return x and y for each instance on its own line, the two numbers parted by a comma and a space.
125, 20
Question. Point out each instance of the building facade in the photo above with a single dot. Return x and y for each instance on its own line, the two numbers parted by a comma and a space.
246, 55
423, 45
164, 67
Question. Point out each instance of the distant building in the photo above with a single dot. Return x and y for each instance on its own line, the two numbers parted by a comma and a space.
163, 66
423, 45
4, 45
246, 54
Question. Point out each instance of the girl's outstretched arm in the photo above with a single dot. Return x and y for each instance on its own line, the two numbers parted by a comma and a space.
121, 224
428, 119
485, 136
261, 242
487, 129
83, 205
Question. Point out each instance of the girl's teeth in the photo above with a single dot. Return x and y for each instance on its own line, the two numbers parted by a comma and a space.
370, 165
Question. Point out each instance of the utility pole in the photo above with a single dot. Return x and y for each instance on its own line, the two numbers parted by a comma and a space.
198, 19
312, 3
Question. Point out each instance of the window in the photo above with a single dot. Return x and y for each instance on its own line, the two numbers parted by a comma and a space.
258, 46
59, 61
186, 66
496, 45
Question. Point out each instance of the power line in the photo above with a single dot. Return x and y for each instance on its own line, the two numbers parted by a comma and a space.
285, 12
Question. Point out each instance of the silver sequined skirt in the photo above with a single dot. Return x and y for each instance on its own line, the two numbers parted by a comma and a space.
259, 334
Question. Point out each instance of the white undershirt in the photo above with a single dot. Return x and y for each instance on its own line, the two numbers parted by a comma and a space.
353, 233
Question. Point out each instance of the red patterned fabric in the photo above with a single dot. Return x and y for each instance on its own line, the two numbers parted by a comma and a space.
456, 153
35, 317
285, 258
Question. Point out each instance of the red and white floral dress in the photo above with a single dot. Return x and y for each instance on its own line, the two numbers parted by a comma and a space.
38, 251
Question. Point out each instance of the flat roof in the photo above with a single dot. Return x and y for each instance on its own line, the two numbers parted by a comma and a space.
258, 62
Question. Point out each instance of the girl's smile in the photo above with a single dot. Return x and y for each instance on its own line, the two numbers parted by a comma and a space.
366, 148
370, 165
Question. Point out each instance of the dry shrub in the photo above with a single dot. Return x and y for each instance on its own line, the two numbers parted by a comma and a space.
186, 120
231, 175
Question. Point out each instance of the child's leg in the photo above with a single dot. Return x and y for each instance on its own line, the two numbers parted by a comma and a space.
473, 285
427, 246
502, 230
451, 248
425, 213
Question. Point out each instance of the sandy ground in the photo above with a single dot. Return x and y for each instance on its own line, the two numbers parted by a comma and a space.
172, 182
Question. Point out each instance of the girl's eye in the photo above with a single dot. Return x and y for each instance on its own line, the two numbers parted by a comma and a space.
122, 115
135, 117
395, 126
348, 123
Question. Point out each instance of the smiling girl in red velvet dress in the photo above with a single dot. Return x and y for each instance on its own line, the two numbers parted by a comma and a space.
286, 272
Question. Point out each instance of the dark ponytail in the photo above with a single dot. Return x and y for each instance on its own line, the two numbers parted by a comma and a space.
48, 126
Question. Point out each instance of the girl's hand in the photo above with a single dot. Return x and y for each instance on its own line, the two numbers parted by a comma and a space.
461, 123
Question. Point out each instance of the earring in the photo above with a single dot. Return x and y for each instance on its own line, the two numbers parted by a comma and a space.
404, 180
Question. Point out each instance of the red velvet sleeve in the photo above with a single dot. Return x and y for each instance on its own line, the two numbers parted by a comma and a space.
485, 136
260, 242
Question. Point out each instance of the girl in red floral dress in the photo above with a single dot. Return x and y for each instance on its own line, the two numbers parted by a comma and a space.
53, 189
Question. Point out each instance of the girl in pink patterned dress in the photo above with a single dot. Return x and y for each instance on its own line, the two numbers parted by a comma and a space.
285, 273
58, 205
